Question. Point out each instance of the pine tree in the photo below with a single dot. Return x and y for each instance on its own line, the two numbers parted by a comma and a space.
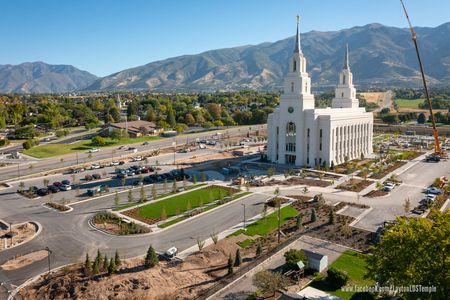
203, 177
117, 259
313, 215
87, 265
259, 249
332, 217
299, 223
106, 263
151, 259
95, 267
194, 179
238, 258
99, 258
230, 265
112, 267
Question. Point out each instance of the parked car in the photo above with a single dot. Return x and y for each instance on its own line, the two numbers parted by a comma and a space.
137, 158
42, 192
151, 169
57, 183
433, 190
131, 172
389, 186
114, 163
65, 187
33, 188
121, 162
131, 148
203, 141
66, 182
211, 143
136, 167
148, 179
54, 189
169, 175
121, 175
94, 150
46, 140
122, 147
95, 166
146, 143
137, 182
97, 176
241, 143
145, 170
431, 197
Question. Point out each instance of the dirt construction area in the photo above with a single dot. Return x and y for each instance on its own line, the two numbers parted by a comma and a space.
24, 260
169, 280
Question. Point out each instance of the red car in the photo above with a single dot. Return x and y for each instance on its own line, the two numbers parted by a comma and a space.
57, 183
145, 170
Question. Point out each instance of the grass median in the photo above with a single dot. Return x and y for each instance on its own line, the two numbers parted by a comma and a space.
50, 150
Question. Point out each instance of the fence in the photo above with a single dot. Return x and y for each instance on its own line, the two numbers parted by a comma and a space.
203, 294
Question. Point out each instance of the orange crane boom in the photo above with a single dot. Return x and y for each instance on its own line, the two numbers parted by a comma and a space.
437, 147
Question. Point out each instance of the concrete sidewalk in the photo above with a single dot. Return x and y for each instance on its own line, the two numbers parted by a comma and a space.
242, 288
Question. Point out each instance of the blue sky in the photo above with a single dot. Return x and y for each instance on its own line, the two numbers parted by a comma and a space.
107, 36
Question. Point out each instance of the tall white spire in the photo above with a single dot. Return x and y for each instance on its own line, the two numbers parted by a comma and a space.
298, 48
345, 93
346, 58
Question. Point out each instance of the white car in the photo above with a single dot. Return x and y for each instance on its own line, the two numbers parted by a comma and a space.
433, 190
65, 187
114, 163
202, 141
94, 150
211, 143
431, 197
389, 186
95, 166
137, 158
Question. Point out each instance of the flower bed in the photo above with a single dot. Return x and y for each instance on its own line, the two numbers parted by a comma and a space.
57, 206
115, 225
354, 185
299, 197
270, 202
376, 193
390, 169
28, 195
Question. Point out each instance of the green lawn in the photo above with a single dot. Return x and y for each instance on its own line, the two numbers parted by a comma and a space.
353, 263
262, 229
50, 150
409, 103
153, 210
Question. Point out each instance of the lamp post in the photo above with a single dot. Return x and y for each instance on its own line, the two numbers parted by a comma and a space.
112, 156
244, 217
49, 252
77, 158
174, 144
18, 171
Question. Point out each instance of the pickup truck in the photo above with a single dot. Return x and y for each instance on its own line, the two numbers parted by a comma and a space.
433, 190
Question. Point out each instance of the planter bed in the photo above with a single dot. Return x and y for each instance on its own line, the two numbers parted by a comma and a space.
357, 186
25, 194
376, 193
57, 206
390, 169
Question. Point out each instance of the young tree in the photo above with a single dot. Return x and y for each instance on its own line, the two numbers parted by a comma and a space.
117, 259
313, 215
163, 214
239, 186
194, 179
142, 194
270, 172
211, 196
31, 167
270, 281
154, 191
259, 249
165, 185
407, 206
220, 196
87, 263
21, 185
106, 263
130, 196
123, 181
203, 179
112, 267
264, 213
95, 267
175, 186
177, 211
320, 175
46, 182
299, 223
230, 265
188, 206
185, 183
305, 190
117, 199
331, 216
200, 201
214, 237
151, 259
247, 186
238, 258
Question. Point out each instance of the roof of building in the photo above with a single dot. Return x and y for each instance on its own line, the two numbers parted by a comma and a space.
313, 255
133, 125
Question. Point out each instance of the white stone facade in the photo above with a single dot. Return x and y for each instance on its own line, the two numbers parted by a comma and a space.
299, 134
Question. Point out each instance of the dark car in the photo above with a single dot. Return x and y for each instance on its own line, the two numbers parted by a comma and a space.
151, 169
122, 175
137, 182
163, 176
42, 192
145, 170
97, 176
148, 179
57, 183
169, 175
131, 148
121, 162
136, 167
53, 189
33, 189
66, 182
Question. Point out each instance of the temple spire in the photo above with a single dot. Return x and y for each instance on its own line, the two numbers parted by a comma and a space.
298, 49
346, 59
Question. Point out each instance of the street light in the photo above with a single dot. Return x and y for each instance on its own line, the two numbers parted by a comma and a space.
244, 218
49, 252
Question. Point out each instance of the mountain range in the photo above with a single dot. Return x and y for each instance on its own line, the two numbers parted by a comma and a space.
379, 56
39, 77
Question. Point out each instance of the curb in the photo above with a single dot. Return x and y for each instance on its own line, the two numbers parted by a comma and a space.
54, 209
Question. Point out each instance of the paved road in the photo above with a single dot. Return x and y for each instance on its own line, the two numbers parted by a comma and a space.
41, 165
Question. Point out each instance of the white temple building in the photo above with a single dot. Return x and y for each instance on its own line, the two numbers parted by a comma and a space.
298, 133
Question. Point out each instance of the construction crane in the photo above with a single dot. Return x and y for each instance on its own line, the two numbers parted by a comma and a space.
438, 153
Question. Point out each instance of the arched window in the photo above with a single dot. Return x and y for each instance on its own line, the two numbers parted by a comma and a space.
290, 129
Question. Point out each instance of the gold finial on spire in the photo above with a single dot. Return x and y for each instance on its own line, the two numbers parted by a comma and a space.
298, 19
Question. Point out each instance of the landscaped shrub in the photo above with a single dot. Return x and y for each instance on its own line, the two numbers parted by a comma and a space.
337, 276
